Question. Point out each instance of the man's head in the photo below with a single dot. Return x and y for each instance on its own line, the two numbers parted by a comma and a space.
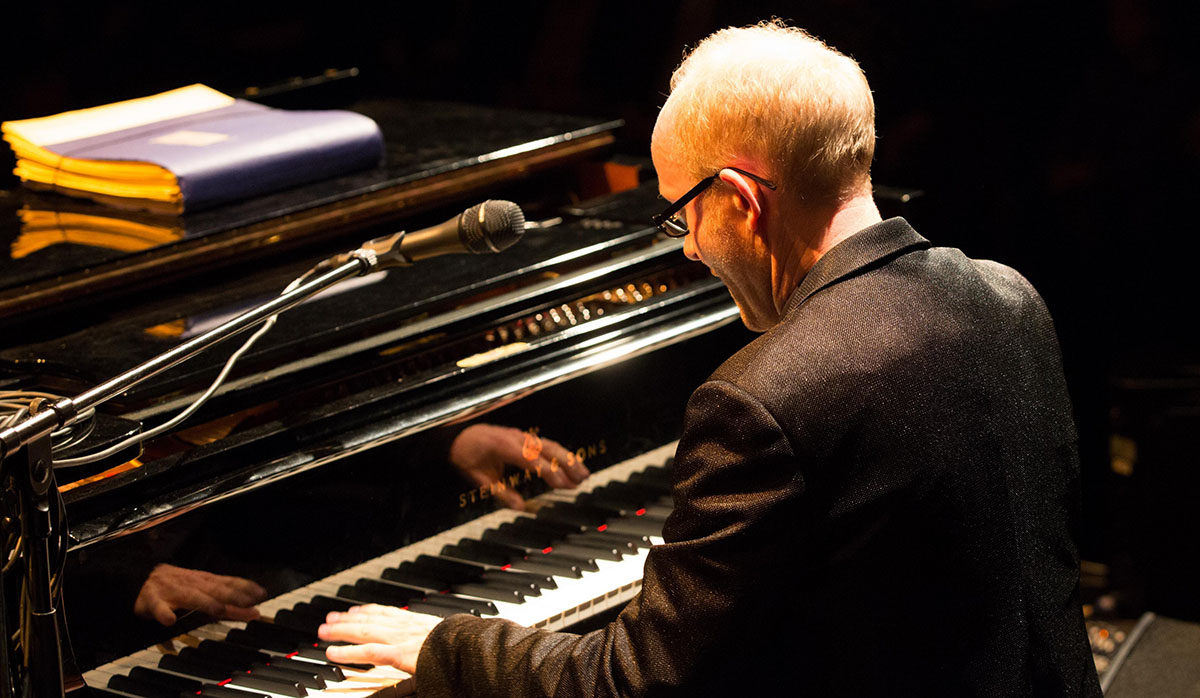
778, 97
778, 104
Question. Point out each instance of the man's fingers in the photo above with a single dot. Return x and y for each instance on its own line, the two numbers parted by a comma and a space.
240, 613
555, 475
568, 463
194, 600
511, 499
377, 610
230, 590
162, 612
364, 629
248, 592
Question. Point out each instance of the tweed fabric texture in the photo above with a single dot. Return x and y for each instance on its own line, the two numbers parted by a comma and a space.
874, 498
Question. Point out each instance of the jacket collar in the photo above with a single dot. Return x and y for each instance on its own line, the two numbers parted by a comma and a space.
870, 247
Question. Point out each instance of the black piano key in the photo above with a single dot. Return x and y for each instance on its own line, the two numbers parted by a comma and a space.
309, 610
242, 655
259, 642
459, 571
431, 610
648, 527
588, 552
508, 553
474, 554
592, 540
406, 575
362, 596
177, 683
227, 665
521, 545
610, 507
537, 538
626, 544
630, 492
263, 683
582, 559
214, 691
318, 654
662, 472
450, 570
613, 494
489, 591
540, 581
279, 633
306, 619
140, 688
558, 567
329, 672
194, 667
308, 679
447, 610
502, 580
392, 593
572, 515
326, 604
558, 529
539, 562
479, 606
659, 487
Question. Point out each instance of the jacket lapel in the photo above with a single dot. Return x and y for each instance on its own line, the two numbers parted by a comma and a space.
868, 248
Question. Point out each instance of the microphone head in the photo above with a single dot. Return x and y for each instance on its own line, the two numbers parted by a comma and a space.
492, 226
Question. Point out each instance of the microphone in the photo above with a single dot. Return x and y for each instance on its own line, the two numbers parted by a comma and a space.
486, 228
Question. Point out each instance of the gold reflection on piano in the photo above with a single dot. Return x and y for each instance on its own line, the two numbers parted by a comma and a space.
168, 330
493, 355
41, 229
103, 475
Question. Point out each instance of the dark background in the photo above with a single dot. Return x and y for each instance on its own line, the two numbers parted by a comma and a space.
1060, 138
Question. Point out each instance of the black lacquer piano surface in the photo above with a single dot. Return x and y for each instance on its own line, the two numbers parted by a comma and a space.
320, 469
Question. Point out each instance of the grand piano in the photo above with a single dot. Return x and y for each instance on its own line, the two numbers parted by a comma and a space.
320, 470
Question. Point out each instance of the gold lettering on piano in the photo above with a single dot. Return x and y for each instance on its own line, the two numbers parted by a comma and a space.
531, 450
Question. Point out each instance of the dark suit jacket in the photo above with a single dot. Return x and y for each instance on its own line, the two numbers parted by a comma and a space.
874, 498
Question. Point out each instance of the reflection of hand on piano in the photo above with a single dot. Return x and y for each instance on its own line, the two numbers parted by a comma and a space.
482, 451
380, 635
170, 588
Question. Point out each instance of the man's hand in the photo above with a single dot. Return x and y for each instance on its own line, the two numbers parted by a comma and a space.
482, 451
170, 588
379, 635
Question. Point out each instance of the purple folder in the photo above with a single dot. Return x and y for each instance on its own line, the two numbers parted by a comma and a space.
242, 150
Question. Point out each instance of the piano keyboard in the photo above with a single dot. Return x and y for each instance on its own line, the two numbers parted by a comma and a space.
572, 555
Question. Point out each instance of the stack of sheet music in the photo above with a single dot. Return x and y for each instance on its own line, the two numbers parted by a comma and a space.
188, 149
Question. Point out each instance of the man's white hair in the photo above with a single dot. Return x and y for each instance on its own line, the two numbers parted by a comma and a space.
778, 96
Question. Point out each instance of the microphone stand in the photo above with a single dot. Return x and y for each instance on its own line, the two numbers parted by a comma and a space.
25, 457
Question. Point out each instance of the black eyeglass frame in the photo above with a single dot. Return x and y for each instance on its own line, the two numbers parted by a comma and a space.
672, 227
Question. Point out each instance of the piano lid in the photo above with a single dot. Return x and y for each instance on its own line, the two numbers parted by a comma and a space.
383, 357
59, 250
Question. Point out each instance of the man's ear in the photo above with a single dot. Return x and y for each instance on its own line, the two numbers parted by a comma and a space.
748, 194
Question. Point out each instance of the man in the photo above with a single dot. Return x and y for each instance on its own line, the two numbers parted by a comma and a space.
872, 498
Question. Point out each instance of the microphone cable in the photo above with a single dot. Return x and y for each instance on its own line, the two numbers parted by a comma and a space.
198, 402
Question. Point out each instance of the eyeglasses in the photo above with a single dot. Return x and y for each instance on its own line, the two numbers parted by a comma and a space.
675, 227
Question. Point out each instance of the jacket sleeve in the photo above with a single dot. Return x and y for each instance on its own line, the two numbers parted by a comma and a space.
735, 476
